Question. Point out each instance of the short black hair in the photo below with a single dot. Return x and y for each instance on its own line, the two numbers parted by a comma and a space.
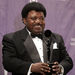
33, 6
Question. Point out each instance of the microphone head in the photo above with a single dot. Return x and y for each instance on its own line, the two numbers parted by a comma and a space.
47, 33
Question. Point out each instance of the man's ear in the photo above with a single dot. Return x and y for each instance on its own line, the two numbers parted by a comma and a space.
24, 20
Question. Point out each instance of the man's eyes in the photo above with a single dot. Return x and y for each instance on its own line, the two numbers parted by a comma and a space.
35, 18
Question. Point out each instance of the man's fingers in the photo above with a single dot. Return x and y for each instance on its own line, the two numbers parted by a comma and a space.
55, 66
56, 63
44, 64
45, 69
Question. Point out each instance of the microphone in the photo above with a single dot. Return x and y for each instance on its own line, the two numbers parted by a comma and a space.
47, 33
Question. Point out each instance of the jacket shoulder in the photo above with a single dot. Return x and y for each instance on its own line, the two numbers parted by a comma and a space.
13, 34
57, 37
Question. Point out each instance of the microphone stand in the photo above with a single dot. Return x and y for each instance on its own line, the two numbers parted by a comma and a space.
49, 52
49, 55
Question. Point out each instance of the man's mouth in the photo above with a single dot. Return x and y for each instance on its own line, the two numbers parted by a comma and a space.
37, 27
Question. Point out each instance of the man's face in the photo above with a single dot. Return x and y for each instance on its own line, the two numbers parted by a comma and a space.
35, 22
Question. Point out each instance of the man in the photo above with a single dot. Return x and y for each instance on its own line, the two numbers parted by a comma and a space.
31, 51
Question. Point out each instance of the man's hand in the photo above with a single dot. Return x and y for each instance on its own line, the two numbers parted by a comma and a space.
56, 68
40, 68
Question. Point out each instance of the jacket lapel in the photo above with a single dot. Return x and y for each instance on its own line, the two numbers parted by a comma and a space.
29, 45
45, 51
51, 51
52, 39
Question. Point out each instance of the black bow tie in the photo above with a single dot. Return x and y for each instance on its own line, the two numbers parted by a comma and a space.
37, 35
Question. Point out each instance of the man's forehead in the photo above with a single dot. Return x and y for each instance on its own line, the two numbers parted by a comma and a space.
37, 13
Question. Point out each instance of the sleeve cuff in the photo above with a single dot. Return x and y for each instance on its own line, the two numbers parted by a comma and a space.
62, 70
29, 71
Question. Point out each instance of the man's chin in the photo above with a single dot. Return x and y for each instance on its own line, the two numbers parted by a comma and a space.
38, 32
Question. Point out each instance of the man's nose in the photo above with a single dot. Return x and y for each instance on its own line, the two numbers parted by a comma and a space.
38, 21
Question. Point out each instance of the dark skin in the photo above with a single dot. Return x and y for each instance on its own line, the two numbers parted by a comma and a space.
35, 23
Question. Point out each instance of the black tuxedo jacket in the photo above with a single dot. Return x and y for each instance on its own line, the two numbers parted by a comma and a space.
19, 52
